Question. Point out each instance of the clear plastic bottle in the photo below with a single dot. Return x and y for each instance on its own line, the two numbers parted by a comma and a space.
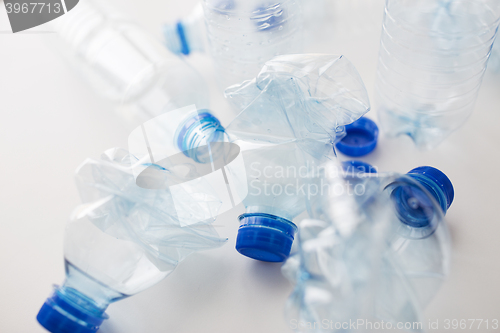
432, 58
125, 64
418, 255
298, 104
277, 179
295, 110
240, 35
122, 240
188, 35
494, 61
377, 251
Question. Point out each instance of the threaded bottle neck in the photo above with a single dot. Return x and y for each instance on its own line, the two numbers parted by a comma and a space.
196, 135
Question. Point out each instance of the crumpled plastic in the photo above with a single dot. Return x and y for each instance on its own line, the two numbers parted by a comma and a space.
148, 217
335, 263
344, 268
299, 96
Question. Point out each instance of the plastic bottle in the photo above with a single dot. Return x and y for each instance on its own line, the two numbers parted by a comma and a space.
494, 61
419, 245
377, 254
300, 104
277, 192
122, 240
240, 35
432, 58
292, 113
125, 64
299, 100
188, 35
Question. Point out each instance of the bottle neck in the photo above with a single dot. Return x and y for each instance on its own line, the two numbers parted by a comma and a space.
79, 305
80, 285
269, 220
268, 210
197, 136
419, 204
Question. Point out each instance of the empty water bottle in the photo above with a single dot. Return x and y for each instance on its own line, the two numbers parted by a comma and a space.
300, 96
432, 58
277, 182
309, 96
188, 35
240, 35
292, 114
494, 61
377, 254
124, 63
123, 239
300, 102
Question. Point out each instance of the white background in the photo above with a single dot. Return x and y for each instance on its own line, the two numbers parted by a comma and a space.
51, 121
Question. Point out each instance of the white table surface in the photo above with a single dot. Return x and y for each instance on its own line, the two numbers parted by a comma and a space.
51, 121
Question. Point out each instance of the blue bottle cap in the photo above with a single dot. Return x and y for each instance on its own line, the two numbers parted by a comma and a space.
354, 166
421, 211
265, 237
61, 315
437, 183
361, 138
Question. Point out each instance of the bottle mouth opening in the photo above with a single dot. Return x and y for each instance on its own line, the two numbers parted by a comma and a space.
413, 207
195, 136
418, 205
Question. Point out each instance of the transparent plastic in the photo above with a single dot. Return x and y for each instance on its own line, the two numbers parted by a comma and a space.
192, 143
357, 261
300, 96
187, 35
432, 58
277, 176
124, 239
242, 35
291, 114
125, 64
306, 97
494, 61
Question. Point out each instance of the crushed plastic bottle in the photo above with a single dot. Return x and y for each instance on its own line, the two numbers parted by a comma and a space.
240, 35
376, 252
125, 64
295, 97
292, 114
494, 60
432, 58
191, 142
124, 239
300, 96
297, 102
277, 182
